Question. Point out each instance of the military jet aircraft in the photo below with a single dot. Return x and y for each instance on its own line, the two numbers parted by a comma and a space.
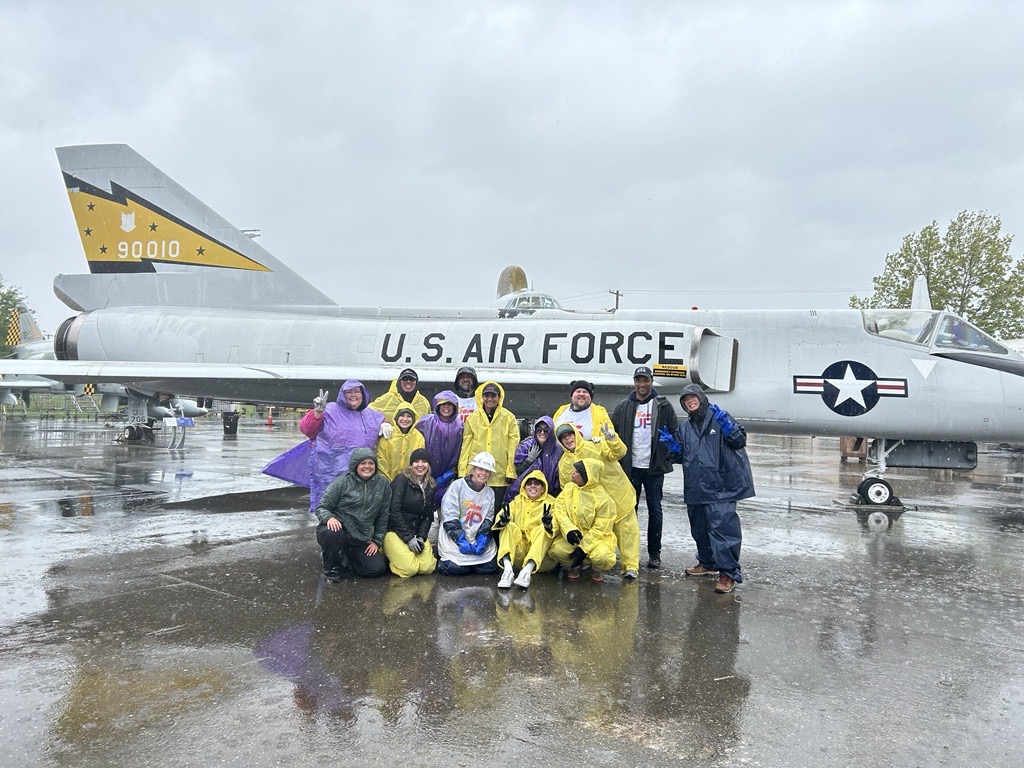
179, 300
30, 343
27, 342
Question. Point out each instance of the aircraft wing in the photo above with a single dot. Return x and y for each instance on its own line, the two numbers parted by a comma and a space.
29, 382
284, 384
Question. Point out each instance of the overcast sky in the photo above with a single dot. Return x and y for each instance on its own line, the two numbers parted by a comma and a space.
720, 154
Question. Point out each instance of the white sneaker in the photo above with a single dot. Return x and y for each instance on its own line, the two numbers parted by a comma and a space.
523, 579
505, 582
630, 575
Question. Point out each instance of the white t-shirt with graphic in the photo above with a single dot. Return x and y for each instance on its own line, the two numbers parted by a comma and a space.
642, 435
467, 405
584, 420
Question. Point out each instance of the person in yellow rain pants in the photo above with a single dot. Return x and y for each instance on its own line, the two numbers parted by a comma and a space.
607, 449
527, 530
586, 516
412, 512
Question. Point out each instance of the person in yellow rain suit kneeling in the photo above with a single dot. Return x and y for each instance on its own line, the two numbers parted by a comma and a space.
585, 515
528, 528
606, 449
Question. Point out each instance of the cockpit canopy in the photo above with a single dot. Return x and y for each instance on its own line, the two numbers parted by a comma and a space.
930, 328
528, 299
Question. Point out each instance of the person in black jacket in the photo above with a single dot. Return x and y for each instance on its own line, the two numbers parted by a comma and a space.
637, 420
412, 511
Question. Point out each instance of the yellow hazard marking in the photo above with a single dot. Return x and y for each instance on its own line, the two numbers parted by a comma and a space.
670, 371
115, 233
89, 389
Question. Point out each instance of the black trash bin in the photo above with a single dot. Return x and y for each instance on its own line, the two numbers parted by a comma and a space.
230, 422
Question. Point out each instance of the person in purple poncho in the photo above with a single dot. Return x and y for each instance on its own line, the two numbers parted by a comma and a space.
539, 451
442, 435
335, 430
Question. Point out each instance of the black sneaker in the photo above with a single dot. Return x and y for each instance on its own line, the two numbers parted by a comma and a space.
654, 562
332, 574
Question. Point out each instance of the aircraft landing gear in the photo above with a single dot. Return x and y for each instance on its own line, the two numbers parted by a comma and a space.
873, 490
876, 492
135, 433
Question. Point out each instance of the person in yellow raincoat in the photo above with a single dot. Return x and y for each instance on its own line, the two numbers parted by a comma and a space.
492, 429
394, 452
403, 391
607, 449
586, 515
528, 528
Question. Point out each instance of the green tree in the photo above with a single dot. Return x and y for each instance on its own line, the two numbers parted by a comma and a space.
9, 298
969, 269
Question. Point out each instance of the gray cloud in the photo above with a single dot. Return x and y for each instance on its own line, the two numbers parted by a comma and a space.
719, 154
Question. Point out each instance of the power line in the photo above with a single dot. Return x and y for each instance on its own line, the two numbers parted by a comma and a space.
718, 291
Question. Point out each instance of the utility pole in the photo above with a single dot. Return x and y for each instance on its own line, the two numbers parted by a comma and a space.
617, 295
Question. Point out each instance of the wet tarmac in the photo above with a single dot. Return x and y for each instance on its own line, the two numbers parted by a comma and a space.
166, 608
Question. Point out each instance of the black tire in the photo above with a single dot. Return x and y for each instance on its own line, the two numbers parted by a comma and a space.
875, 491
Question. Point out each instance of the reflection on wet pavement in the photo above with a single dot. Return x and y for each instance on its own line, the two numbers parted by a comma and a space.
144, 623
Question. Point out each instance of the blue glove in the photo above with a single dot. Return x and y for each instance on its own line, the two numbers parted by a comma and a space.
472, 548
446, 477
724, 419
665, 437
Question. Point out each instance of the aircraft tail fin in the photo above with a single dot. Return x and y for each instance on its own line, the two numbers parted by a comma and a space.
148, 240
921, 298
511, 279
24, 324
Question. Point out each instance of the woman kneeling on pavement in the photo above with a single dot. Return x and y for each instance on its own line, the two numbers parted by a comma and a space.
585, 515
412, 513
527, 526
353, 515
464, 543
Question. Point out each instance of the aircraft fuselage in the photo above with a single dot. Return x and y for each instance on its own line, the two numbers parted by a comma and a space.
781, 371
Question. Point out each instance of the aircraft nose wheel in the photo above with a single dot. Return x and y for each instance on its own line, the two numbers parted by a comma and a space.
876, 491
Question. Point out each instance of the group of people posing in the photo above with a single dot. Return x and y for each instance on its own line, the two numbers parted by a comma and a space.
565, 497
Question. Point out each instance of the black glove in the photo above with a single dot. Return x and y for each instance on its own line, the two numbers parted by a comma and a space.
505, 517
574, 537
578, 556
453, 529
545, 518
415, 545
485, 529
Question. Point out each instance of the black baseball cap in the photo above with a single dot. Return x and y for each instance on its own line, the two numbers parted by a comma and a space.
644, 371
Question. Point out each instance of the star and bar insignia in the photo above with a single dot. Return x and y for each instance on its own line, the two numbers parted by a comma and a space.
849, 388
